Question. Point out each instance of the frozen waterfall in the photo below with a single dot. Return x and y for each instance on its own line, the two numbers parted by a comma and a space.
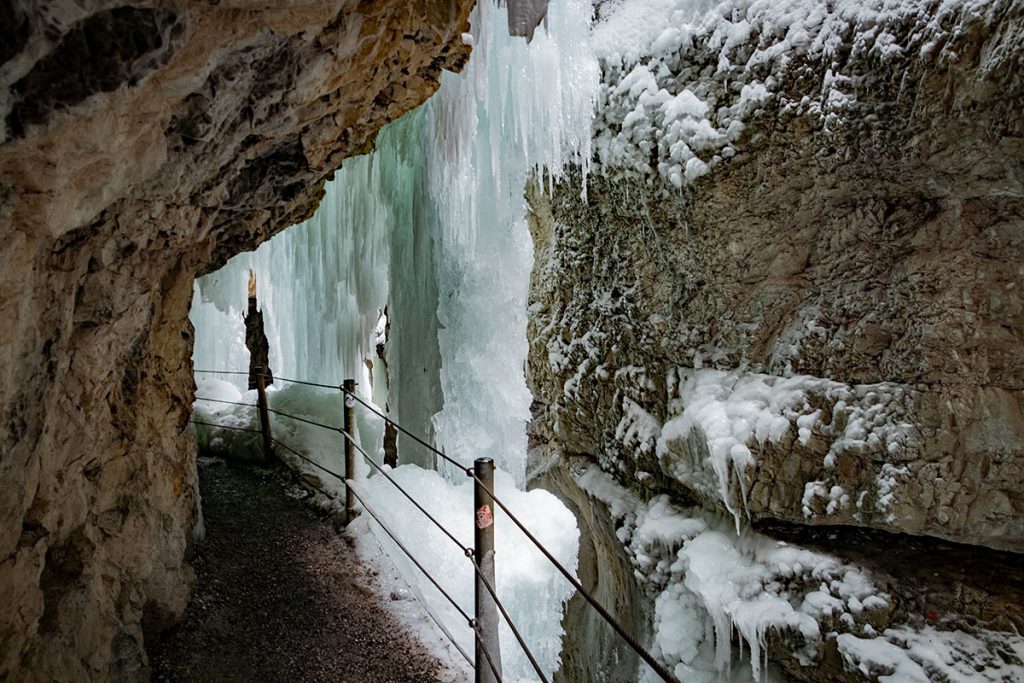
431, 228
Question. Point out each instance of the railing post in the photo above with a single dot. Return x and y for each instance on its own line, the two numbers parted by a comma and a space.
483, 554
350, 448
261, 392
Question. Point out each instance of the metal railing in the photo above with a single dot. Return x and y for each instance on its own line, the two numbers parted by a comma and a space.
487, 605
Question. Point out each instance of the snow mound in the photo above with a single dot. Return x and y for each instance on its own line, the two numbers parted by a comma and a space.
527, 583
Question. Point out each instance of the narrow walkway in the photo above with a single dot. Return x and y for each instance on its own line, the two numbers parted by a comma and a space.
280, 596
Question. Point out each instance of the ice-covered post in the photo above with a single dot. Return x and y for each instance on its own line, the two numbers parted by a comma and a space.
349, 387
483, 554
261, 403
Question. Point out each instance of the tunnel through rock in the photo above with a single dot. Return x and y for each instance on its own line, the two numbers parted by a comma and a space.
772, 283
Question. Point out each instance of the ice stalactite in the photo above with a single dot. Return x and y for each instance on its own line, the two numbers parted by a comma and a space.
431, 225
517, 109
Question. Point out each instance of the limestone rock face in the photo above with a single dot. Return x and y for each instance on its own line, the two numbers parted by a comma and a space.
142, 146
825, 324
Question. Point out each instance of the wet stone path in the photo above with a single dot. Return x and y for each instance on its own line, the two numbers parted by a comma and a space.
280, 596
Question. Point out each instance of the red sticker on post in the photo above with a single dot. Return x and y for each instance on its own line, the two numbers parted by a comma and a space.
484, 518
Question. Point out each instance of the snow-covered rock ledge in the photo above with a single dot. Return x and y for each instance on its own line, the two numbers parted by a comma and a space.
785, 447
820, 617
686, 85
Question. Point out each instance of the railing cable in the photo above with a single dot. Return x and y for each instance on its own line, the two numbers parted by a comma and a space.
220, 400
432, 449
236, 429
270, 377
469, 620
483, 648
310, 460
508, 619
466, 550
272, 410
303, 419
639, 649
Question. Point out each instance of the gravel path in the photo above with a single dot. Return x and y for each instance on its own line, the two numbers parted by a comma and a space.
281, 596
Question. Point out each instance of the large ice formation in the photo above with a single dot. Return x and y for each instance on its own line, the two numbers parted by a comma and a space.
430, 227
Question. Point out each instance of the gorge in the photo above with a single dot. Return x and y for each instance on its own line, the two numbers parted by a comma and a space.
730, 291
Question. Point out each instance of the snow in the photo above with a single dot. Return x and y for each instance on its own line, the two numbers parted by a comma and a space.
731, 588
730, 411
620, 500
837, 497
225, 441
910, 655
887, 481
710, 581
727, 59
528, 585
726, 417
638, 430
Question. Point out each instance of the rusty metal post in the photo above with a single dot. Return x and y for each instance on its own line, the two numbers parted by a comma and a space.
261, 403
486, 614
349, 387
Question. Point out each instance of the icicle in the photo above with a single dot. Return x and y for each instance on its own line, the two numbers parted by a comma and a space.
525, 122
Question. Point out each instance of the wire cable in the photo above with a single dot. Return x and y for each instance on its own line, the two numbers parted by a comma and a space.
230, 403
432, 449
308, 384
274, 411
237, 429
426, 573
219, 372
312, 462
466, 550
302, 419
508, 619
639, 649
483, 648
265, 376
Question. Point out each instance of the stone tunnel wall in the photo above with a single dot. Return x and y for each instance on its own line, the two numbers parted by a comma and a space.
142, 145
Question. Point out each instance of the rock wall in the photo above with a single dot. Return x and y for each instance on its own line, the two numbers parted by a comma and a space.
790, 296
143, 145
591, 650
824, 325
